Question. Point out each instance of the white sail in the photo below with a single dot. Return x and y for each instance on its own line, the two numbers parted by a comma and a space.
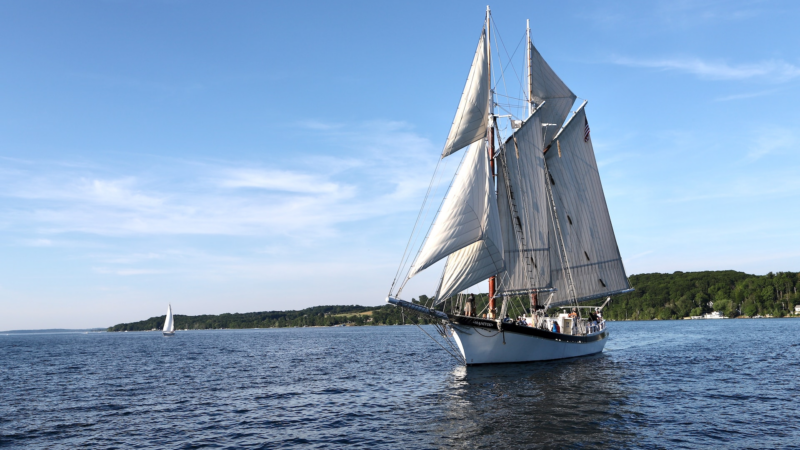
547, 88
522, 203
476, 262
467, 215
590, 245
472, 115
169, 324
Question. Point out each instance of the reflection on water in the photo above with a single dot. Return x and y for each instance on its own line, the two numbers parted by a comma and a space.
559, 403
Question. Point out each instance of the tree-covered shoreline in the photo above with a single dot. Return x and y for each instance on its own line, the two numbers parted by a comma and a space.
683, 294
317, 316
657, 296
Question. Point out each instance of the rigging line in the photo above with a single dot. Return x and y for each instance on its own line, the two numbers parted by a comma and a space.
424, 214
513, 98
406, 259
501, 107
442, 329
499, 57
440, 345
460, 167
413, 230
511, 57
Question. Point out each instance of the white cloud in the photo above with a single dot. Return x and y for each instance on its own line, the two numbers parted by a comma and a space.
385, 170
128, 272
771, 70
278, 180
745, 95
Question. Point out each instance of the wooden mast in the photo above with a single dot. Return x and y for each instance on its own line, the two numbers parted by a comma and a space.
490, 148
534, 295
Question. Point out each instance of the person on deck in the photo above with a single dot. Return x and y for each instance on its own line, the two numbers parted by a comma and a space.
574, 313
555, 327
469, 307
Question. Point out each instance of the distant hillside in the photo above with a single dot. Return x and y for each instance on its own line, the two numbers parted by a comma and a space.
658, 296
315, 316
681, 294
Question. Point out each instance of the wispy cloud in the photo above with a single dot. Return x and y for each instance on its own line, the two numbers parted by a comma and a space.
128, 272
745, 95
279, 180
770, 70
772, 140
384, 171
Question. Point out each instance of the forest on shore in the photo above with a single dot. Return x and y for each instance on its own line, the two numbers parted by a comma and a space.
657, 296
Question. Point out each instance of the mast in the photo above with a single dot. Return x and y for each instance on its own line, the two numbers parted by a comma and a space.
530, 74
490, 147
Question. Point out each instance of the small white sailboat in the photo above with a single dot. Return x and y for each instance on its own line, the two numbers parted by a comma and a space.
527, 212
169, 324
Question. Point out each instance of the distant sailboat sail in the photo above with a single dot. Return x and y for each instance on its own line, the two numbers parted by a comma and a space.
169, 324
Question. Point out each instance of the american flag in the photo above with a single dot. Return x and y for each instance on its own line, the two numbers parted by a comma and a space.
586, 130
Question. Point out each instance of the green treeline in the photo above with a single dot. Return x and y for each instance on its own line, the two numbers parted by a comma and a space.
657, 296
311, 317
682, 294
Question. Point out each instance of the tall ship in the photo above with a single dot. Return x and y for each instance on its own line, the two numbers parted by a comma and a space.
525, 211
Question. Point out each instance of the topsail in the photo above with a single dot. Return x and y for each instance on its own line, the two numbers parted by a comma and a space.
470, 122
547, 87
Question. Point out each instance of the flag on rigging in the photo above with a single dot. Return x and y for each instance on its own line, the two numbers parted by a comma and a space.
586, 130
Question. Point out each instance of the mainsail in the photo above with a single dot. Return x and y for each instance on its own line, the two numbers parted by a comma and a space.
470, 122
468, 215
590, 247
546, 87
522, 203
169, 324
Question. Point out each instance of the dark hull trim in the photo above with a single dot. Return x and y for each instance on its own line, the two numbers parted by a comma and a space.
488, 324
531, 362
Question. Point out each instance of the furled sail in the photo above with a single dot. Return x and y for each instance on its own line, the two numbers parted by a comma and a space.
169, 324
589, 243
547, 87
471, 118
522, 205
468, 213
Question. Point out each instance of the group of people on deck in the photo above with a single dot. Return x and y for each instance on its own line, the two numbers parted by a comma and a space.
594, 317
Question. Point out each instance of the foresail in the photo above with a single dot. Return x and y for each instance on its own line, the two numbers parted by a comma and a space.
547, 87
589, 242
465, 213
522, 206
476, 262
471, 118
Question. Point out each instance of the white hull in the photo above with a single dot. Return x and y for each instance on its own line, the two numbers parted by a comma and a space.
168, 333
484, 346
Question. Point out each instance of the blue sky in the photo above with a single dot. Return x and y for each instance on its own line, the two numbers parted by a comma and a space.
250, 156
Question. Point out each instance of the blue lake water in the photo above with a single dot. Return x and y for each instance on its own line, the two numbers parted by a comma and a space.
676, 384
